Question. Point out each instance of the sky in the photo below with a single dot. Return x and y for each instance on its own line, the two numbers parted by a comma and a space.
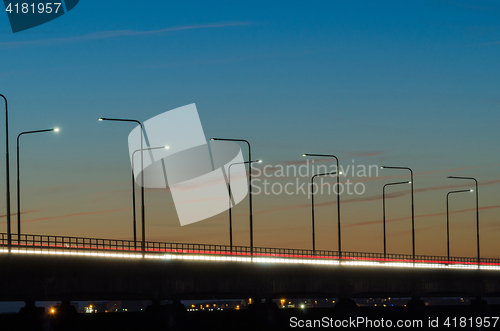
411, 84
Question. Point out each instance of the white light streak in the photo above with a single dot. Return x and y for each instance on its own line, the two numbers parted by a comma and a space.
248, 259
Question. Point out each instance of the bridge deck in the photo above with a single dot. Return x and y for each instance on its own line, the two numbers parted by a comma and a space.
46, 244
68, 268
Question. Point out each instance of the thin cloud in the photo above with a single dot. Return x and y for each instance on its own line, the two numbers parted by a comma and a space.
376, 178
72, 215
407, 192
376, 197
421, 216
112, 34
22, 213
375, 153
304, 161
456, 169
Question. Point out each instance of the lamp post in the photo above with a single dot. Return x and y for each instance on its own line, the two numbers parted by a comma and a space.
249, 186
312, 206
383, 209
448, 220
7, 172
338, 199
412, 207
142, 176
477, 213
19, 181
230, 194
133, 190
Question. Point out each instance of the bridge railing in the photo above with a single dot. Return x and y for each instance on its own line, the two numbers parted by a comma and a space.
407, 258
40, 243
28, 242
186, 248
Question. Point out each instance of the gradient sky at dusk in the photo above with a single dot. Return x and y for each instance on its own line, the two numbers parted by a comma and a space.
395, 83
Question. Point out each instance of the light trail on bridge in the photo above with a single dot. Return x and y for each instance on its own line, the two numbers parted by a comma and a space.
124, 249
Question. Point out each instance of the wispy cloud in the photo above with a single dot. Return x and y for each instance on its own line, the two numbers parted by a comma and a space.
304, 161
376, 197
407, 192
405, 175
75, 214
456, 169
374, 153
422, 216
22, 213
113, 34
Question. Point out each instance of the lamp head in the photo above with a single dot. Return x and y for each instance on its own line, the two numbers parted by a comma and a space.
409, 182
166, 147
472, 190
304, 154
259, 161
55, 129
100, 119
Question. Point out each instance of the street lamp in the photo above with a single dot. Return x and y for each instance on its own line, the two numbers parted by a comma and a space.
19, 181
448, 219
133, 190
338, 199
477, 212
230, 194
142, 176
412, 207
249, 186
312, 206
7, 172
383, 209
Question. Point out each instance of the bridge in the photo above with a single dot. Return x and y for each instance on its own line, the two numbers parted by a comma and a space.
57, 268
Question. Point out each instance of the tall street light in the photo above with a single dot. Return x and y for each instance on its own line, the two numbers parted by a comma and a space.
133, 190
312, 206
412, 207
142, 176
230, 195
448, 219
19, 181
477, 212
249, 185
383, 209
7, 172
338, 199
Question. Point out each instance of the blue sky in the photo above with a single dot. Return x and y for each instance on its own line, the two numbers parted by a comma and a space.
401, 83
